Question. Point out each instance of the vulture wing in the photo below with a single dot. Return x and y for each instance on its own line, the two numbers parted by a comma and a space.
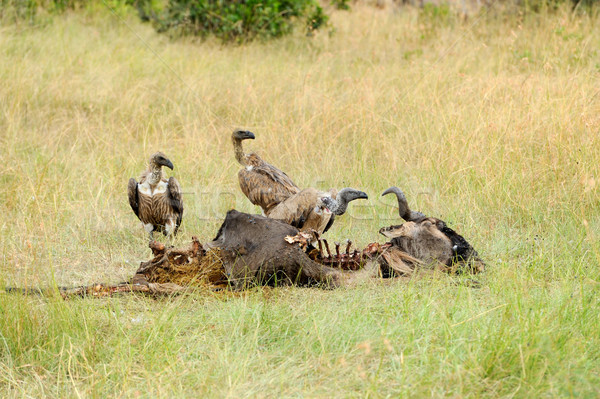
174, 192
132, 192
265, 185
295, 210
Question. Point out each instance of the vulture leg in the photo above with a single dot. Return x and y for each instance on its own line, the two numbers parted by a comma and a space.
149, 227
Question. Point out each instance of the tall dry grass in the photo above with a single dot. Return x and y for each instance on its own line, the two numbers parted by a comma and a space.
491, 124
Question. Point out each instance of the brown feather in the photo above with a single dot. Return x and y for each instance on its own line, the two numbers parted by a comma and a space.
303, 206
158, 209
264, 184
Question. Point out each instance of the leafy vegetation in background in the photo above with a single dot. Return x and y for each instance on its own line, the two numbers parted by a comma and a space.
236, 20
245, 20
229, 20
491, 125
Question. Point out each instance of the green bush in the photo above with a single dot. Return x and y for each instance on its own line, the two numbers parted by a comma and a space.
235, 20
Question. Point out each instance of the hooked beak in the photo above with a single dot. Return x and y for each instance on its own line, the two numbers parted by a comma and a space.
168, 164
248, 135
362, 195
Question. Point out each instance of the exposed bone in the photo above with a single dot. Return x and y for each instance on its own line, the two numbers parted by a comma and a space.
327, 248
320, 249
215, 266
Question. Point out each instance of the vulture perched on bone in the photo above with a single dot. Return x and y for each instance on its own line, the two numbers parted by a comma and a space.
155, 200
280, 198
312, 209
428, 239
263, 184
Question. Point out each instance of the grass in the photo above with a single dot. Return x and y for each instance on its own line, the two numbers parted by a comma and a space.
491, 124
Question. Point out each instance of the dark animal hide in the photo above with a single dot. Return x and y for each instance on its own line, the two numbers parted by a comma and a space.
254, 251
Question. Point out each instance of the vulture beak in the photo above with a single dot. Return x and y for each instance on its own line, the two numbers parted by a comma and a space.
362, 195
168, 164
248, 135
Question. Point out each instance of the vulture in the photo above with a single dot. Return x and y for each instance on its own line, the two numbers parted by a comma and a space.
280, 198
263, 184
314, 209
155, 200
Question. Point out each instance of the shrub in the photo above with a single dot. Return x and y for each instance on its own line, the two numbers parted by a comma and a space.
235, 20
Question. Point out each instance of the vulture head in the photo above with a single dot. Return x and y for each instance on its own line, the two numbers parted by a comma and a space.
339, 205
240, 135
159, 159
403, 209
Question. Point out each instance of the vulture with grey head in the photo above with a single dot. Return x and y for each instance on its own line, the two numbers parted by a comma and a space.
263, 184
314, 209
429, 239
155, 200
280, 198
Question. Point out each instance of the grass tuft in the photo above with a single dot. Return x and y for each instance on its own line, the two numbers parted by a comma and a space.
492, 126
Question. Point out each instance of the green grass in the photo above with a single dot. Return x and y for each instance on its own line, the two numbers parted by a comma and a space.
491, 124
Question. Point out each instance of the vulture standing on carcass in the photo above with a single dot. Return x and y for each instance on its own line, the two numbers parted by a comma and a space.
314, 209
155, 200
280, 198
428, 239
263, 184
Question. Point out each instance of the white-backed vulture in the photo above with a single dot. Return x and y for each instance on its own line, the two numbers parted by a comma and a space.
280, 198
263, 184
314, 209
155, 200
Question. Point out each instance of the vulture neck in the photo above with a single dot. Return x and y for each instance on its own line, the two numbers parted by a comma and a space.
155, 175
239, 152
339, 206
